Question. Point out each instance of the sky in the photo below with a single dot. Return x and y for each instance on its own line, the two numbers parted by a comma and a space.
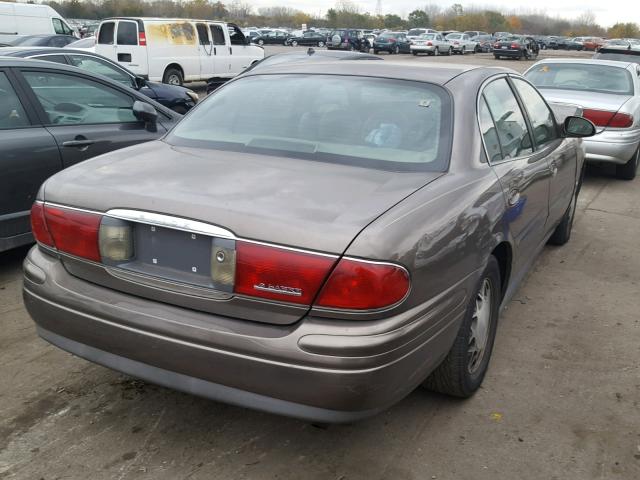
607, 12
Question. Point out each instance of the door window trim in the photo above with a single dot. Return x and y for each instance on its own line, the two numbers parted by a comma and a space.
479, 97
25, 101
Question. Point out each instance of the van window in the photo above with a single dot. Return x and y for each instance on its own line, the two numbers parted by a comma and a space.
127, 33
105, 36
236, 35
203, 35
57, 26
218, 34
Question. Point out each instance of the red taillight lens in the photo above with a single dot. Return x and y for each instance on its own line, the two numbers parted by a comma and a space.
496, 45
621, 120
74, 232
515, 46
39, 225
279, 274
429, 44
142, 39
604, 118
359, 285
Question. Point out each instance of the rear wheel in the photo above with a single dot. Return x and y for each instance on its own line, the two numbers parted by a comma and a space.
562, 233
260, 42
376, 52
415, 54
396, 50
436, 52
321, 44
628, 170
172, 76
450, 51
462, 371
294, 43
497, 57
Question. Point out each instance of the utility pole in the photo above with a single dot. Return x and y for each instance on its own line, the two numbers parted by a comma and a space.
379, 8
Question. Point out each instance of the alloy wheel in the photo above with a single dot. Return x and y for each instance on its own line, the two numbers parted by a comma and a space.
480, 325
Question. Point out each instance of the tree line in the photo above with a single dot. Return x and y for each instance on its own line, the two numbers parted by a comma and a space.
347, 14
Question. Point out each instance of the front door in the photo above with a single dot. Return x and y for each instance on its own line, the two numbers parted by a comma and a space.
86, 117
28, 156
523, 173
221, 54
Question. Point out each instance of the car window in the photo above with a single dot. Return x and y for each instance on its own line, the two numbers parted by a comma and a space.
510, 123
59, 42
101, 67
12, 114
542, 120
218, 34
582, 77
69, 99
127, 33
105, 36
400, 125
203, 34
489, 133
52, 58
57, 26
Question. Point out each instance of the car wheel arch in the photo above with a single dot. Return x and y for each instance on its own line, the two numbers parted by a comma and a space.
176, 66
503, 253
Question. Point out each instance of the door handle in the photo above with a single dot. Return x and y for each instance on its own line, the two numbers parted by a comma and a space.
230, 50
79, 142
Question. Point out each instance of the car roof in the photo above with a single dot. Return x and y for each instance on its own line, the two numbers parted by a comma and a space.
589, 61
424, 72
27, 51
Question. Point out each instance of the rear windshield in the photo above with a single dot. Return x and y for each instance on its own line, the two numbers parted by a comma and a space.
428, 36
632, 56
370, 122
582, 77
416, 31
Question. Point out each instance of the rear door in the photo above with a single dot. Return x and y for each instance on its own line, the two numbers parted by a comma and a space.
205, 51
28, 156
131, 46
221, 54
524, 174
86, 117
106, 41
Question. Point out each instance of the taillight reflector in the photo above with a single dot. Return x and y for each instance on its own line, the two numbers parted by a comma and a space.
142, 39
279, 274
39, 225
73, 231
361, 285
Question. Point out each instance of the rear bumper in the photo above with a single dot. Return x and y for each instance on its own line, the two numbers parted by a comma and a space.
422, 48
508, 53
316, 370
612, 146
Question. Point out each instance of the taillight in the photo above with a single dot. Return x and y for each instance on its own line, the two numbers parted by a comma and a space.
621, 120
429, 44
142, 39
496, 45
362, 285
515, 46
279, 274
73, 231
39, 225
604, 118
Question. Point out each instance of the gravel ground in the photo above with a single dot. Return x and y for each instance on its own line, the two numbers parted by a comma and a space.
561, 399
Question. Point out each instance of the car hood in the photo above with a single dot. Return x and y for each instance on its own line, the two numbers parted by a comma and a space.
301, 203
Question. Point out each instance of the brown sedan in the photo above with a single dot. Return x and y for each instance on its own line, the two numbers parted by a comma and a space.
314, 240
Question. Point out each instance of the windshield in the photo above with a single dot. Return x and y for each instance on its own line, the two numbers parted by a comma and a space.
371, 122
582, 77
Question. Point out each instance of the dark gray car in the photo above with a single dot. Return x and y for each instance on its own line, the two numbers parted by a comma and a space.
319, 255
53, 116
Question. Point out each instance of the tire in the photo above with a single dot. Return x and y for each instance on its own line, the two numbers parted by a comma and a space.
396, 50
172, 76
461, 372
320, 44
562, 233
450, 52
415, 54
376, 52
629, 170
260, 42
436, 52
294, 43
497, 57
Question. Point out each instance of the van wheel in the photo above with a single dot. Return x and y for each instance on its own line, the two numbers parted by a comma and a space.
172, 76
463, 369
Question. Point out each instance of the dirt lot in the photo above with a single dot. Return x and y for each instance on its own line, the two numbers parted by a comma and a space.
561, 399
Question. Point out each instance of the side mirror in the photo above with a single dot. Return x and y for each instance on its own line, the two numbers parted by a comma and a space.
578, 127
247, 40
140, 82
147, 114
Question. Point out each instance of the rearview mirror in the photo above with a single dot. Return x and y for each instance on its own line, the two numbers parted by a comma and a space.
140, 82
578, 127
147, 114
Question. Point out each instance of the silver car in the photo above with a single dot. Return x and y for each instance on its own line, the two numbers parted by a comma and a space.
431, 44
609, 93
461, 43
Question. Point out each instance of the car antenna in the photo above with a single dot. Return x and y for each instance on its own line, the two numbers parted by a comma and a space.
311, 51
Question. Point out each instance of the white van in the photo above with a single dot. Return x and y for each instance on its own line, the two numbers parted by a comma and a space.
31, 19
176, 50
